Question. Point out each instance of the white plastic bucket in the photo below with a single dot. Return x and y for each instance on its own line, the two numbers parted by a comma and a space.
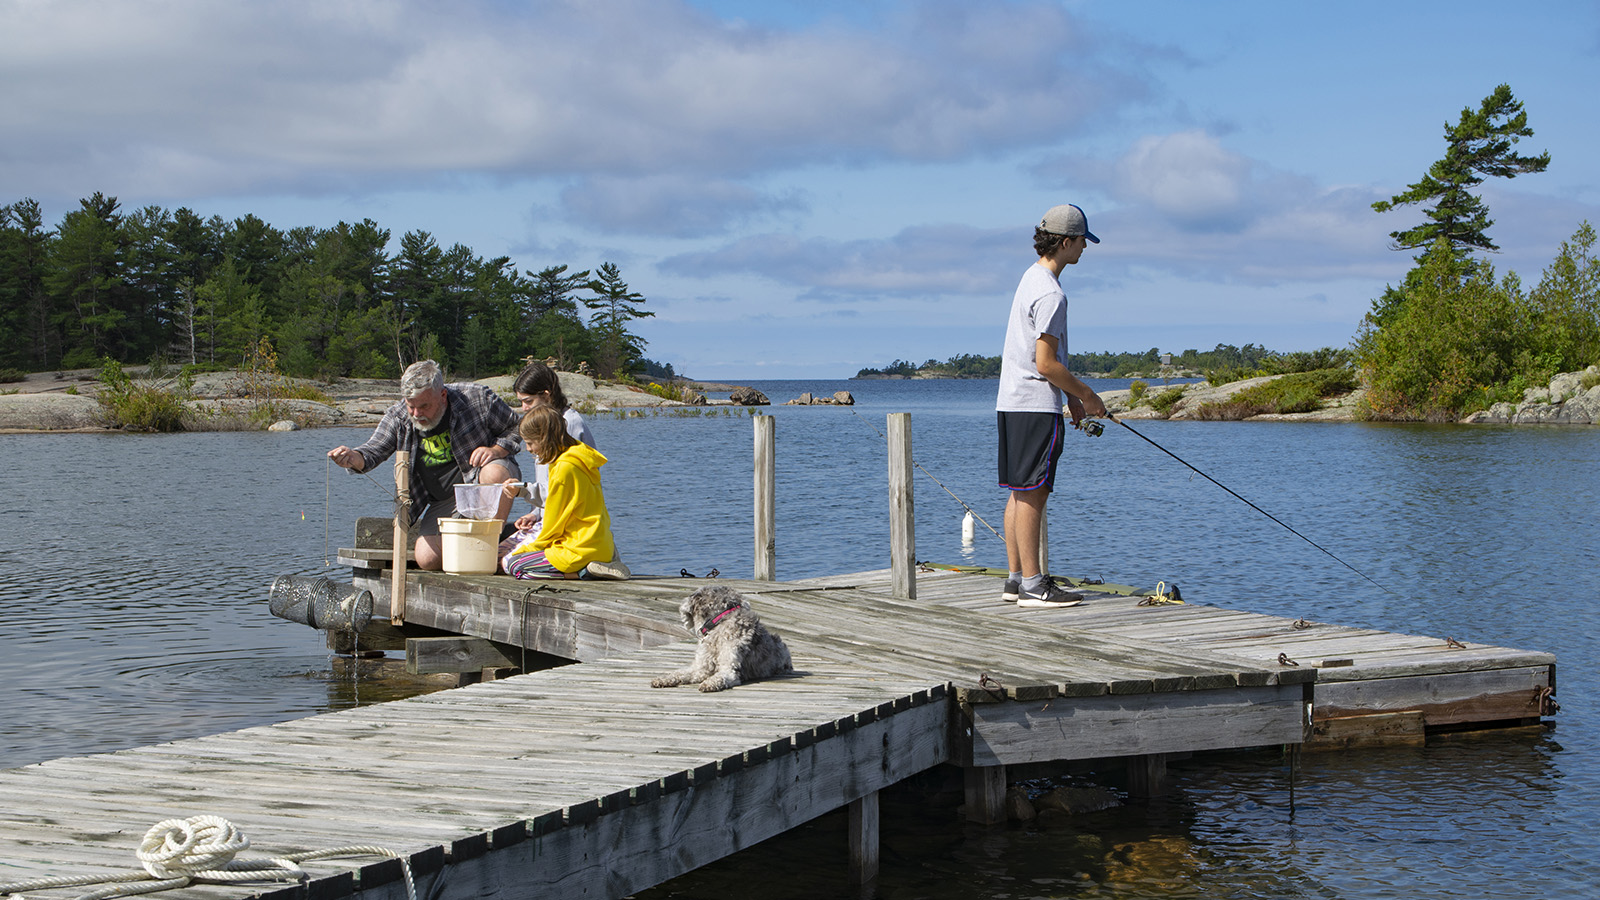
470, 546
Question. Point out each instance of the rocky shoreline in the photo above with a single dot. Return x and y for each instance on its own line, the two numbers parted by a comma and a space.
1565, 401
59, 402
62, 402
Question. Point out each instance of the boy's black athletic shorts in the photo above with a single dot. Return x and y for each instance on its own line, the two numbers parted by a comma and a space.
1030, 445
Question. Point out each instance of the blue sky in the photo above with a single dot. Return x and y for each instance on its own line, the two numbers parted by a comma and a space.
803, 189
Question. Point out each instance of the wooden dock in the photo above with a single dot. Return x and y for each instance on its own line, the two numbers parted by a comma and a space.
582, 781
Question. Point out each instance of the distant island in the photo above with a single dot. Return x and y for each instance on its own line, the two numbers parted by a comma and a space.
1152, 362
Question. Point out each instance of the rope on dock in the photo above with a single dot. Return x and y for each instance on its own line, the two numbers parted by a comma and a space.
179, 852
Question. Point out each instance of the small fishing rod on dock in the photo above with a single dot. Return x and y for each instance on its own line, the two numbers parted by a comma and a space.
1094, 429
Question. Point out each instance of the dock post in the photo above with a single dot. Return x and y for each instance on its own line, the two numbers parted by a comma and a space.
902, 513
402, 527
766, 564
864, 839
986, 794
1147, 775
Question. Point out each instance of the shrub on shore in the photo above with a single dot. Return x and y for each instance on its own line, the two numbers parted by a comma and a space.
1167, 399
151, 403
1295, 393
1283, 364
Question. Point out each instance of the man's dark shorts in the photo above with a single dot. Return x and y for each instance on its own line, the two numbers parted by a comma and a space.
1030, 445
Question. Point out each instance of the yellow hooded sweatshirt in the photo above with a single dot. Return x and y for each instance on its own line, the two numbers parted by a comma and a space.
577, 528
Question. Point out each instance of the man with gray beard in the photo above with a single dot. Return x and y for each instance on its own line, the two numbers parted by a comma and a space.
456, 433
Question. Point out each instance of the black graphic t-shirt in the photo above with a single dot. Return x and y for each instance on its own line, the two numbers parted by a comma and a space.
438, 471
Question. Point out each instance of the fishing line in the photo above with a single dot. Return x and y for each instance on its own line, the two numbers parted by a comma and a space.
327, 505
935, 480
1251, 505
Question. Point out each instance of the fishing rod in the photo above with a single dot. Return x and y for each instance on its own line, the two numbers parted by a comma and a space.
1249, 504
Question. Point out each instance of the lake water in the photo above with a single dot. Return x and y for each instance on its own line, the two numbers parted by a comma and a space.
136, 571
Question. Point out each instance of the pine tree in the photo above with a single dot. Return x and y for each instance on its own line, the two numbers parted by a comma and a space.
1478, 146
85, 278
614, 307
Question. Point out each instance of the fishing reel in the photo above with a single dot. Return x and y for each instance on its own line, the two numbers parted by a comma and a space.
1092, 427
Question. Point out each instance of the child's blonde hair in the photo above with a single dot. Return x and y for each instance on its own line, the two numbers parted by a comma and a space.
544, 431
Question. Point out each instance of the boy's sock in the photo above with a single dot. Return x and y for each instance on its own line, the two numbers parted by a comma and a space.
1033, 583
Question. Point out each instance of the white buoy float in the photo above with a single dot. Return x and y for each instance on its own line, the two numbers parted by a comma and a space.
967, 528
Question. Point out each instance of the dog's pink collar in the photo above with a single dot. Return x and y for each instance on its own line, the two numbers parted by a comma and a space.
706, 628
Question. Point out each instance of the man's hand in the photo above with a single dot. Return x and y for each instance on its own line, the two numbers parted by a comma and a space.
1075, 409
484, 455
347, 458
1094, 406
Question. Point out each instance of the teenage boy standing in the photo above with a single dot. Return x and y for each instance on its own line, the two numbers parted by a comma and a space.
1033, 375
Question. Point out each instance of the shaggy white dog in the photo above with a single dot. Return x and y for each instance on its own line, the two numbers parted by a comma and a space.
734, 646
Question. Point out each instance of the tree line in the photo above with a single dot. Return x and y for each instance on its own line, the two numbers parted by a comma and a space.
333, 302
1221, 358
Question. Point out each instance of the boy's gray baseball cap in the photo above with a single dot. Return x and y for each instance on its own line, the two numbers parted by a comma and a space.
1069, 220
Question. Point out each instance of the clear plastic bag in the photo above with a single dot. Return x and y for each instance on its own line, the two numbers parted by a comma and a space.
478, 501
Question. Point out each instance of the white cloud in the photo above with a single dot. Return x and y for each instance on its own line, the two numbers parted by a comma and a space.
1189, 178
678, 206
310, 95
925, 261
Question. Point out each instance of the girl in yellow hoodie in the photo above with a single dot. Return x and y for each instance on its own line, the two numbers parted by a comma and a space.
576, 529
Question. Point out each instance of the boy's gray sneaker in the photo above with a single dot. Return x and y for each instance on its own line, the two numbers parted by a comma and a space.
1011, 590
1049, 596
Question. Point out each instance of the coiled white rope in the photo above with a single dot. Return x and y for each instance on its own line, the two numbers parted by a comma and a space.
178, 852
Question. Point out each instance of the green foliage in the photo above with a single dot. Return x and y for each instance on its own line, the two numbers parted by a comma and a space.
1457, 333
1564, 307
1136, 392
1167, 399
144, 404
1479, 145
9, 375
899, 367
672, 390
1229, 374
614, 306
1223, 361
106, 283
652, 369
1461, 341
1294, 393
1126, 365
1308, 361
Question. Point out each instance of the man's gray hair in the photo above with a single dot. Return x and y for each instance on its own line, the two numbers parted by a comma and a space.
420, 377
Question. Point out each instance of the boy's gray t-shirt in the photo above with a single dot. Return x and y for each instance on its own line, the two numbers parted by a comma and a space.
1038, 308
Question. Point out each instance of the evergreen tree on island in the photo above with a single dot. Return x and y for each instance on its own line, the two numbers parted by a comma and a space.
1477, 146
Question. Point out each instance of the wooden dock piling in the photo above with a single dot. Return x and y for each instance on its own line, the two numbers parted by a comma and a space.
766, 498
902, 510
